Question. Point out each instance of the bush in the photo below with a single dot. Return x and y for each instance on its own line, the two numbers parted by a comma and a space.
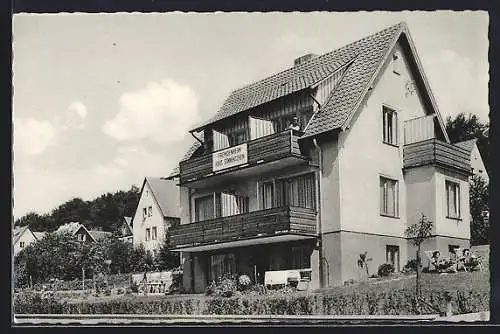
350, 281
410, 267
385, 269
134, 288
177, 278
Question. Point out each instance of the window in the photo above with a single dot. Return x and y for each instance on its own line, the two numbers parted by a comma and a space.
204, 208
298, 191
389, 204
21, 244
154, 233
267, 195
392, 256
81, 237
150, 211
148, 234
144, 213
154, 252
222, 264
301, 257
147, 193
453, 199
390, 126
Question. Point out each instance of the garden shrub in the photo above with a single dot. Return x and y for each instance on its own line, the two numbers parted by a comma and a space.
410, 267
385, 269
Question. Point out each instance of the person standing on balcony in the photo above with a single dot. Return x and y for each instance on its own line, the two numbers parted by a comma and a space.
294, 125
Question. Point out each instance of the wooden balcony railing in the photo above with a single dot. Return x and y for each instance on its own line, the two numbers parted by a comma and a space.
263, 223
269, 148
434, 151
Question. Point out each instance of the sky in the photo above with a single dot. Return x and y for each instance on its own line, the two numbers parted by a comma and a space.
102, 100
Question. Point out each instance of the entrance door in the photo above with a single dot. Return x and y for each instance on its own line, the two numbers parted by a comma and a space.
260, 264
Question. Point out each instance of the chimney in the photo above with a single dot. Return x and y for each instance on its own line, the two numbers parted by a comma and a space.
304, 58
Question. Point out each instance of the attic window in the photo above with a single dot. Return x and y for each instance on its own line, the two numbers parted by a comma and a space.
396, 63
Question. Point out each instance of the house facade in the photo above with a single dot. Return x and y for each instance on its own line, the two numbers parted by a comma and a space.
22, 237
309, 168
157, 210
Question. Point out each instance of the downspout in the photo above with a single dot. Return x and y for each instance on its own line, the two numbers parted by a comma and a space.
198, 139
318, 216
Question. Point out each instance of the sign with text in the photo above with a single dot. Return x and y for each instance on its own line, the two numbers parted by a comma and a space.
229, 157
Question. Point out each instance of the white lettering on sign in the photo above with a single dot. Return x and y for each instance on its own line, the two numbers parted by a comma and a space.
229, 157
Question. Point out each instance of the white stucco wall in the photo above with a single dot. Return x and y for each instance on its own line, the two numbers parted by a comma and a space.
446, 226
421, 194
364, 157
140, 225
27, 237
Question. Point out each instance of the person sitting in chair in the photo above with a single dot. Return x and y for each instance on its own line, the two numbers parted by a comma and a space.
469, 260
435, 259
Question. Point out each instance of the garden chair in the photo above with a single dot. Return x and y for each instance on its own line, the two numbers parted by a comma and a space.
272, 278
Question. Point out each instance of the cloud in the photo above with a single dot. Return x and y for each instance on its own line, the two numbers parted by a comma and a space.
32, 136
73, 118
458, 83
78, 108
162, 112
53, 187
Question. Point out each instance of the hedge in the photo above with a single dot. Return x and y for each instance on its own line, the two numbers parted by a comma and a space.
386, 302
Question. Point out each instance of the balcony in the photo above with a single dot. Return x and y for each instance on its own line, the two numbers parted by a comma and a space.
436, 152
258, 227
273, 151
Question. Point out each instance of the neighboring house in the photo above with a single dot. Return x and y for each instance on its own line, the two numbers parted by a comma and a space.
39, 235
22, 237
370, 156
98, 235
157, 210
78, 230
476, 160
126, 230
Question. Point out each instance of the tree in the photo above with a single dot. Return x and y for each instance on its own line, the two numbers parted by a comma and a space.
418, 233
106, 211
166, 259
478, 196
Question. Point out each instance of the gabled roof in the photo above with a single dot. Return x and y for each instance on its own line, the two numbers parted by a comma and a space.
18, 232
467, 144
128, 220
360, 77
99, 235
363, 60
283, 83
73, 228
39, 235
128, 223
166, 195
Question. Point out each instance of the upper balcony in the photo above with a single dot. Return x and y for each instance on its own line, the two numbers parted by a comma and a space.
280, 224
254, 157
436, 152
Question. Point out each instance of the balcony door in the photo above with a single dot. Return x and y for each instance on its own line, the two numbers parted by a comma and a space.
260, 127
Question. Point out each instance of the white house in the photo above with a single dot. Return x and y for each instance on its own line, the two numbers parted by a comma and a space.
22, 237
157, 210
309, 168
